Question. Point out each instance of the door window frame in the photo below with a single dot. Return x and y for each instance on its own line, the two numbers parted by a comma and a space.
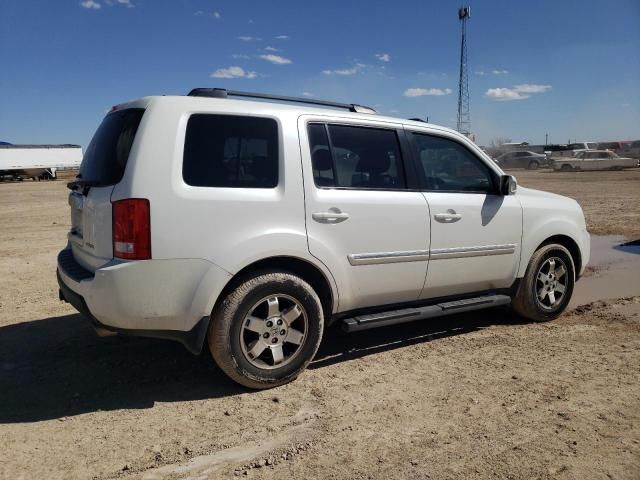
405, 163
419, 169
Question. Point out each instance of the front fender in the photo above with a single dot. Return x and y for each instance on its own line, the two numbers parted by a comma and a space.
538, 231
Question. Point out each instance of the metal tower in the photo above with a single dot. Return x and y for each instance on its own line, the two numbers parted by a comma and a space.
464, 117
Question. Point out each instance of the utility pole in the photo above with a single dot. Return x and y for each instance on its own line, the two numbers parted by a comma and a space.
546, 139
464, 116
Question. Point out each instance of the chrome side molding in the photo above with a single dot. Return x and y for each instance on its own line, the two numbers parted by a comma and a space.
461, 252
424, 255
388, 257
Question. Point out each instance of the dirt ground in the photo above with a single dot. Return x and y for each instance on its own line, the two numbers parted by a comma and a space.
473, 396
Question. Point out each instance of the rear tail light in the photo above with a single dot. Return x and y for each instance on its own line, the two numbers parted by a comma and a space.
132, 229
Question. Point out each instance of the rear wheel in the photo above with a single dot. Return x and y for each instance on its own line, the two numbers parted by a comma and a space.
533, 165
547, 286
267, 330
566, 168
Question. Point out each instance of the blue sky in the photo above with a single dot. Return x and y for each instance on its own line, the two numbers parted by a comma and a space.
567, 68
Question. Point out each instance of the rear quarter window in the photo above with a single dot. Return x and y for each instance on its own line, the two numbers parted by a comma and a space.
230, 151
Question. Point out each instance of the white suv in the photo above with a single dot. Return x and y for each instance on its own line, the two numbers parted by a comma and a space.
252, 225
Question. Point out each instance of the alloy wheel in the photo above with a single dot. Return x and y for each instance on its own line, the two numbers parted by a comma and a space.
551, 283
273, 332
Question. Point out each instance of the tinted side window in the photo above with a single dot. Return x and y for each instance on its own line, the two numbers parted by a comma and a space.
321, 160
230, 151
449, 166
361, 158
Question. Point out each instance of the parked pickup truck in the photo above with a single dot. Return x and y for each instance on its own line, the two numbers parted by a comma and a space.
594, 160
250, 226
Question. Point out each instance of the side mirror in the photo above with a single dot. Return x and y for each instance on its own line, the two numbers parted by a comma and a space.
508, 185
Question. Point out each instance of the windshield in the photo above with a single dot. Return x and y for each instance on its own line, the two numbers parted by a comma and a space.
106, 156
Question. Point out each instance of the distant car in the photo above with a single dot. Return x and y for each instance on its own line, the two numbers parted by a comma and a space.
579, 146
612, 146
522, 159
594, 160
633, 150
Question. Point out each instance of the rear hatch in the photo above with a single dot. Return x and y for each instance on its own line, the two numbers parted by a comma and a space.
102, 167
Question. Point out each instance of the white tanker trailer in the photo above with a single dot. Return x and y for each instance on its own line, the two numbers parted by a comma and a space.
39, 162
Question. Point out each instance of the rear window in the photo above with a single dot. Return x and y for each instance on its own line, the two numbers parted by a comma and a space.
106, 156
231, 151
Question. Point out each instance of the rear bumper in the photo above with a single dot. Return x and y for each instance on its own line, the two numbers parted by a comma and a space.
155, 298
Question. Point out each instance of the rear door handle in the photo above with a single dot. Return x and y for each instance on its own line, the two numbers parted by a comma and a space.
334, 215
449, 217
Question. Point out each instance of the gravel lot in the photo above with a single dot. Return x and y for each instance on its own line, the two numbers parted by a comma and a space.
472, 396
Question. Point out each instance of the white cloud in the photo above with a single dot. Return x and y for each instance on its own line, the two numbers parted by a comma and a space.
198, 13
91, 5
276, 59
247, 38
270, 49
111, 3
126, 3
531, 88
499, 72
233, 72
421, 92
240, 55
308, 94
517, 92
479, 72
383, 57
504, 94
217, 15
281, 37
345, 71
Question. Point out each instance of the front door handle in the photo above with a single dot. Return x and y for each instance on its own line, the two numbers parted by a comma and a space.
334, 215
449, 217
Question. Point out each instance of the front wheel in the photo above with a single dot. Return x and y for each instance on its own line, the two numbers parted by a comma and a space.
267, 330
546, 288
533, 165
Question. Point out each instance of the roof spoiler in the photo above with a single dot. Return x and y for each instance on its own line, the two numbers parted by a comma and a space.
224, 93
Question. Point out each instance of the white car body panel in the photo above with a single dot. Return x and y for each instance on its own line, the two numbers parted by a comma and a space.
375, 230
481, 251
546, 215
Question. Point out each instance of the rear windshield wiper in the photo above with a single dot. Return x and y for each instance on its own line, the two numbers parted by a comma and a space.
85, 185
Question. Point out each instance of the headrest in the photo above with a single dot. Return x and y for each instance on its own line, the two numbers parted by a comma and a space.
374, 162
322, 159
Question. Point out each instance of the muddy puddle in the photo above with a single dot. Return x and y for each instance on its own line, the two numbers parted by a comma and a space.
613, 271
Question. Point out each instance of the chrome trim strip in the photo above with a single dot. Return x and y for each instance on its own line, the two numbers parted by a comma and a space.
424, 255
462, 252
388, 257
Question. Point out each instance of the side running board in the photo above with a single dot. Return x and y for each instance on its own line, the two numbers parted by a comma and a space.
393, 317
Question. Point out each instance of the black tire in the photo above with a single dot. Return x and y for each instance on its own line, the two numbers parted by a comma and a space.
227, 329
526, 302
566, 168
533, 165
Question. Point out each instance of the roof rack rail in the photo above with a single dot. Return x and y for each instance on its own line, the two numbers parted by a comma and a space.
416, 119
224, 93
